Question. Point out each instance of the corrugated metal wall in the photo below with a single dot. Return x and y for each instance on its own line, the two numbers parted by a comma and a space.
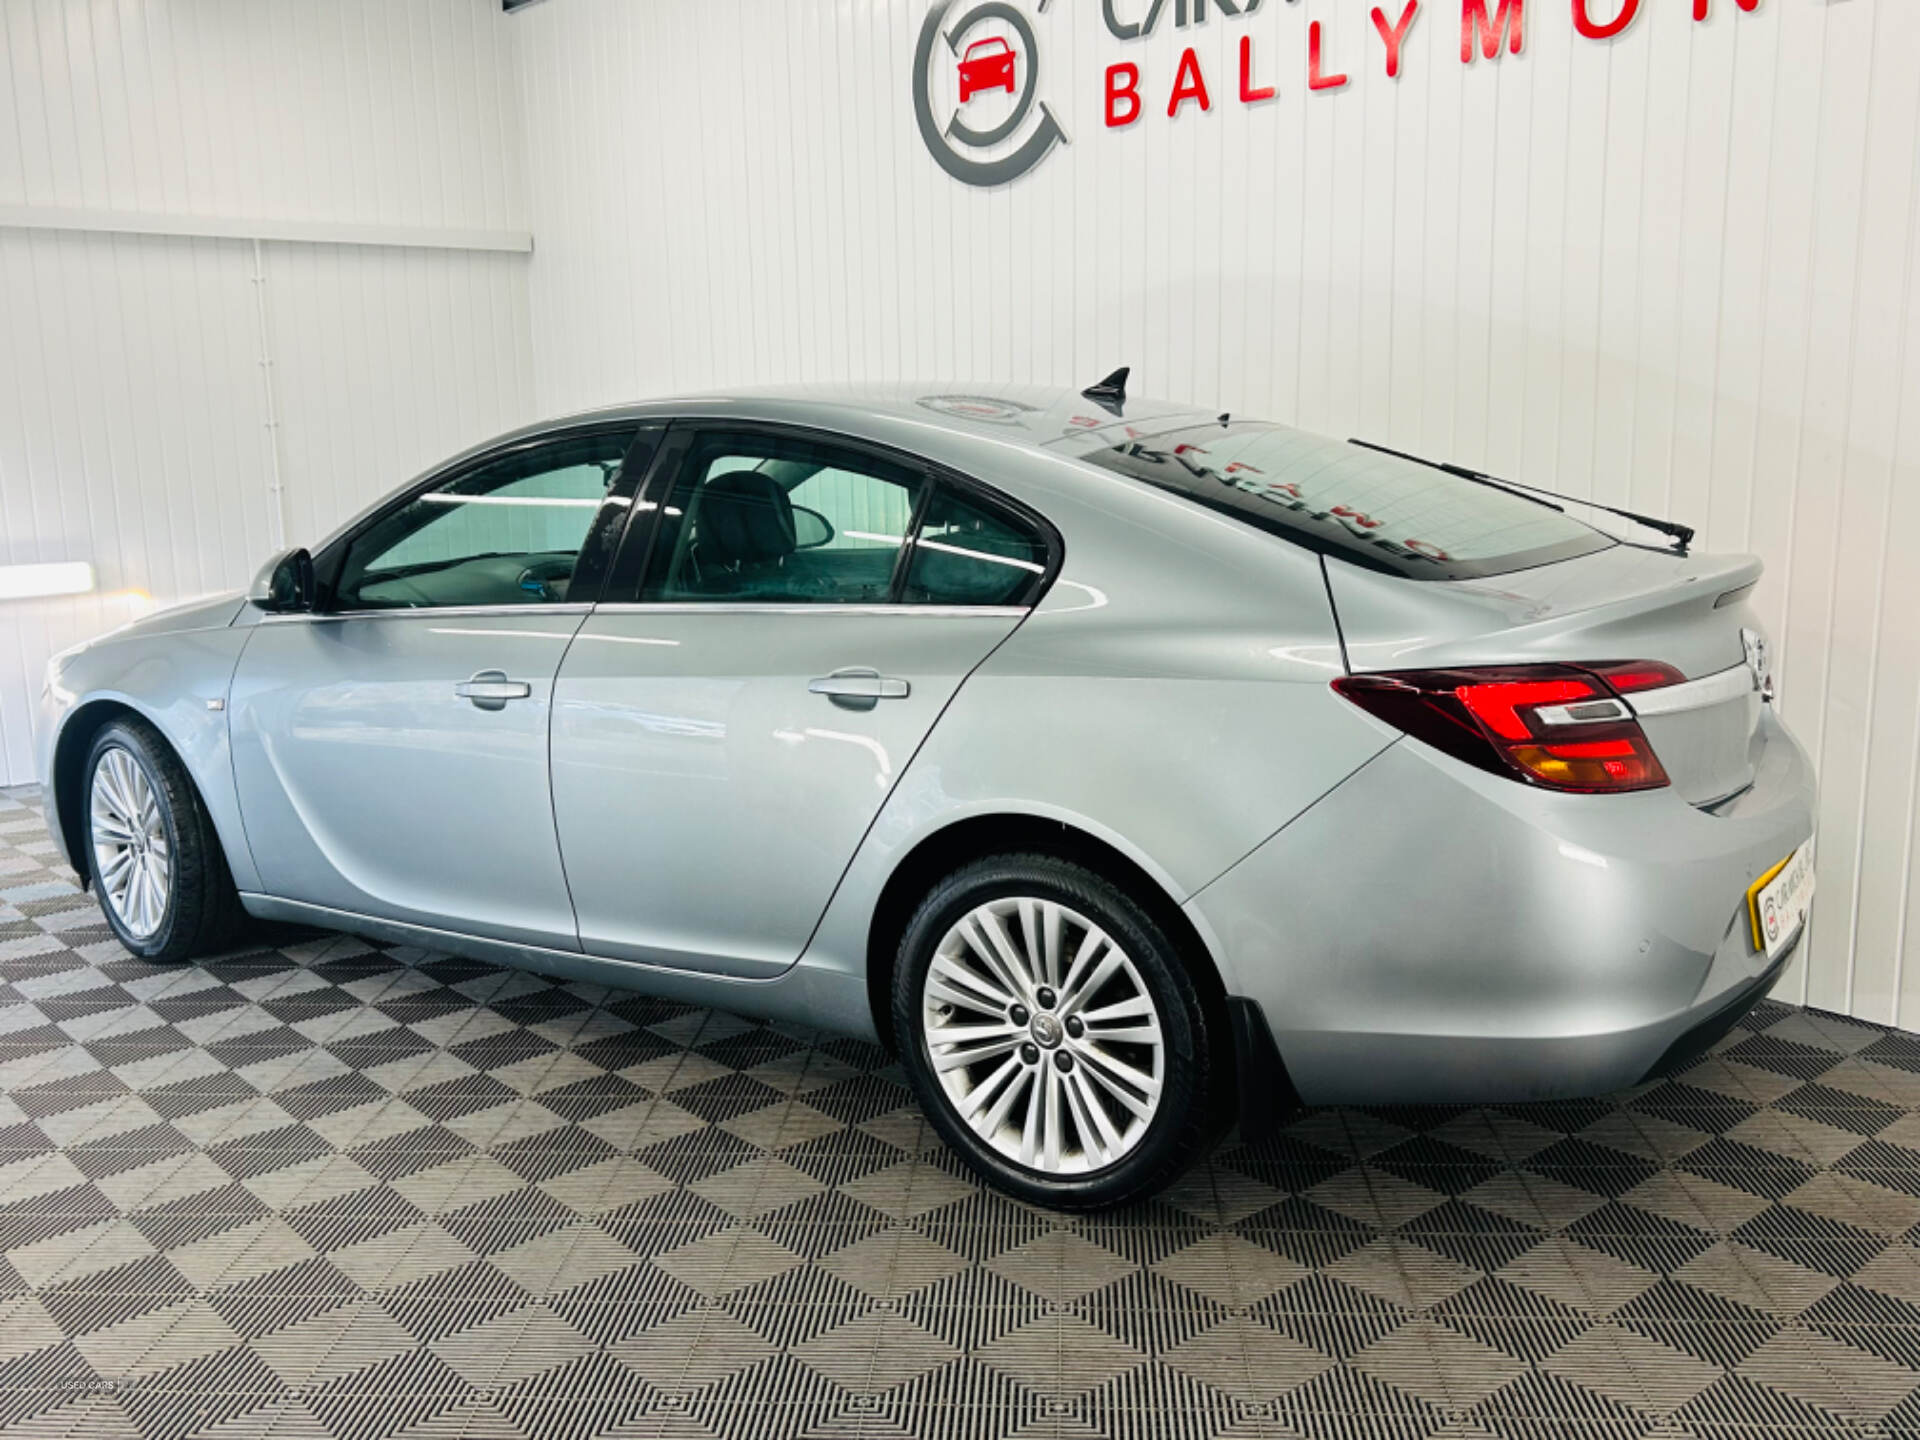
1673, 270
132, 402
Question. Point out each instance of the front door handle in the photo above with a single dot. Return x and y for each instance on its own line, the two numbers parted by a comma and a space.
491, 689
858, 689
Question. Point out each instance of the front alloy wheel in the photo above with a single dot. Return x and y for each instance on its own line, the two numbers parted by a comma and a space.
131, 852
155, 857
1053, 1032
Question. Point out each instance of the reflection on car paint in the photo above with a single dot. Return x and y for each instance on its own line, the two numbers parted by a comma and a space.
629, 639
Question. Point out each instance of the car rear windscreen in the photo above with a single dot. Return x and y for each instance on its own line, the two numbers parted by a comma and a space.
1342, 499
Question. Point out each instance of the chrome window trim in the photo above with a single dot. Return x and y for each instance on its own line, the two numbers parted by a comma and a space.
630, 607
1708, 690
421, 612
726, 607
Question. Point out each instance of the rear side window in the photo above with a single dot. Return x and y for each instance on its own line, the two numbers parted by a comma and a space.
1372, 509
755, 517
966, 554
763, 519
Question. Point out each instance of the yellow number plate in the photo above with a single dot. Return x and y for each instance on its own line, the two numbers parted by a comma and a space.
1777, 902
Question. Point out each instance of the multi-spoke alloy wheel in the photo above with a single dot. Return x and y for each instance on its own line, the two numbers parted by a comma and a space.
151, 847
131, 851
1044, 1035
1053, 1032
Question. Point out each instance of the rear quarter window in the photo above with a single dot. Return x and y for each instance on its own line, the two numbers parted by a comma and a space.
1340, 499
966, 553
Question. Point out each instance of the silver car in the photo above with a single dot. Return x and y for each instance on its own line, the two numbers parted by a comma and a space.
1128, 768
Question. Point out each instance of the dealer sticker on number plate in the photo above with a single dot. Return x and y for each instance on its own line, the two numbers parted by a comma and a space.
1777, 902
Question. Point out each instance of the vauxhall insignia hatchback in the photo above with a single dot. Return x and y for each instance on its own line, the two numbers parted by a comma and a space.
1128, 768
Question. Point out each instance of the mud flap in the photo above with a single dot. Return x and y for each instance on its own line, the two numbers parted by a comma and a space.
1266, 1094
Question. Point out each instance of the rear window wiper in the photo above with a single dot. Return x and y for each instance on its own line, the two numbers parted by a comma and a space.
1682, 535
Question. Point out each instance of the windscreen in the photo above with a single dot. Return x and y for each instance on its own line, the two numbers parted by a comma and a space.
1343, 499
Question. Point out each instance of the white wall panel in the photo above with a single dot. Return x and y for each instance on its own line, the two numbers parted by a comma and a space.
1673, 270
119, 445
386, 360
361, 110
133, 424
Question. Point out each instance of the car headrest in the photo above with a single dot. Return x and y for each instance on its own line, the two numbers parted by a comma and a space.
745, 517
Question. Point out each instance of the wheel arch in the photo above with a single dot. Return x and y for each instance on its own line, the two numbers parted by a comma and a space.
70, 749
955, 844
67, 772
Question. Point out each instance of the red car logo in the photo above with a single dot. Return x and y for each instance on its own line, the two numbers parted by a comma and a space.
986, 65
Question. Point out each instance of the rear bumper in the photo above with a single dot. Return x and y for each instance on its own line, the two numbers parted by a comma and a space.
1701, 1037
1432, 933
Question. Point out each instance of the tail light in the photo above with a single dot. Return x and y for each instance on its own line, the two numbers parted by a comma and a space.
1628, 676
1559, 726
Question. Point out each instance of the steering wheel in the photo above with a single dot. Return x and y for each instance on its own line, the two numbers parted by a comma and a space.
537, 578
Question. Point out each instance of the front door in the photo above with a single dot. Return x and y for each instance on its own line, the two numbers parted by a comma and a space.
391, 751
724, 738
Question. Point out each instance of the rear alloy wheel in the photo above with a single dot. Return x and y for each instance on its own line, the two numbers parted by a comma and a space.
156, 862
1058, 1042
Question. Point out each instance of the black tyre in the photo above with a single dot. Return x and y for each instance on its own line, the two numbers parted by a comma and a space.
1053, 1034
154, 858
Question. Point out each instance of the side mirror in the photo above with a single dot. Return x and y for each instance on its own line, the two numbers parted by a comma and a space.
284, 584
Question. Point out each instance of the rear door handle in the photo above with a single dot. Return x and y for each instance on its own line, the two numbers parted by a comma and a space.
858, 689
491, 689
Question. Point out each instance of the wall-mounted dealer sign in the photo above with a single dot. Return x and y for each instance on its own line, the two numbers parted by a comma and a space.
977, 66
956, 54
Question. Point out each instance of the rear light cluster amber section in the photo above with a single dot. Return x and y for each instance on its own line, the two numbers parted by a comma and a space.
1562, 727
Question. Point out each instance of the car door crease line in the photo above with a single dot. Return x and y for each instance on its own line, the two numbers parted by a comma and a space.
553, 812
1339, 633
1292, 819
899, 776
233, 770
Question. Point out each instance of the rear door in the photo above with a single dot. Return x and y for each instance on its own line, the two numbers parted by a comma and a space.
770, 655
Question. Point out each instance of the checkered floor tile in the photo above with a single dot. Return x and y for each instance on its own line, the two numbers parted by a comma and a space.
334, 1189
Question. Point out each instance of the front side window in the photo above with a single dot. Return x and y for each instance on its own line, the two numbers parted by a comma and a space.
507, 532
766, 520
